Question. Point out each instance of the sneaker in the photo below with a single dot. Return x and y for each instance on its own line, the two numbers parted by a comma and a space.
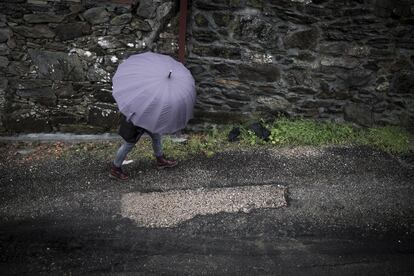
118, 173
162, 163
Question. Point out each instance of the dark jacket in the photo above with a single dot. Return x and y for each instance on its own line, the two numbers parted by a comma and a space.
130, 132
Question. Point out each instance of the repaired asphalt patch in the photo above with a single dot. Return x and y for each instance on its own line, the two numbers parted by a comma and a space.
168, 209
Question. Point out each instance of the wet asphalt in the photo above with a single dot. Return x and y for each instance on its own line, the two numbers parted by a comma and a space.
350, 212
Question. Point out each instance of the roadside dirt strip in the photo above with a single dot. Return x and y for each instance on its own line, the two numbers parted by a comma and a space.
168, 209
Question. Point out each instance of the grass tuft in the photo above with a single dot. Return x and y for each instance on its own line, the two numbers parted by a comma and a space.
391, 139
308, 132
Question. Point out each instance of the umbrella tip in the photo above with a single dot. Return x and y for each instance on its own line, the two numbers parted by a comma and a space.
169, 75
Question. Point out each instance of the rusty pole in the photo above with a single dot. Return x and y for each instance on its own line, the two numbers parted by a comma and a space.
182, 30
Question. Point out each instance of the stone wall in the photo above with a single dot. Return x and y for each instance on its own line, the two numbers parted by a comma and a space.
57, 59
345, 60
342, 60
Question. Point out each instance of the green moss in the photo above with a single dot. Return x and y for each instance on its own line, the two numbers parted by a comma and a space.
221, 19
201, 20
255, 3
235, 3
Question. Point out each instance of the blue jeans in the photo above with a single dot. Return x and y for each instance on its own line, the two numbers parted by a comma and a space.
127, 147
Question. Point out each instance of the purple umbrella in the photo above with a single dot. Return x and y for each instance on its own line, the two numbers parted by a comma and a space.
154, 92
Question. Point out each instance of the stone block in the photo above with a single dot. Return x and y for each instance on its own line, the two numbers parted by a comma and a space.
26, 121
333, 48
103, 115
37, 31
224, 69
403, 83
200, 20
121, 19
359, 113
84, 54
4, 49
103, 95
140, 25
236, 94
305, 39
220, 117
57, 65
254, 28
205, 36
45, 17
258, 73
302, 90
346, 63
61, 116
97, 15
274, 103
115, 30
4, 61
5, 34
222, 19
4, 83
42, 95
3, 87
224, 52
17, 83
211, 5
109, 42
356, 78
147, 8
98, 74
18, 68
64, 90
255, 3
72, 30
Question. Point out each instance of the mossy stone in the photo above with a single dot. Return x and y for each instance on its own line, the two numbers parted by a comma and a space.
221, 19
200, 20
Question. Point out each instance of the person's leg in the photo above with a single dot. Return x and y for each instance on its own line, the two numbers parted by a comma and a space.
116, 166
156, 144
122, 153
162, 162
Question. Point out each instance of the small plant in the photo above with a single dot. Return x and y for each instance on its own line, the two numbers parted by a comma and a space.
308, 132
248, 137
208, 143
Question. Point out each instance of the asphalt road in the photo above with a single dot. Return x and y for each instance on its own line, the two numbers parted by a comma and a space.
350, 211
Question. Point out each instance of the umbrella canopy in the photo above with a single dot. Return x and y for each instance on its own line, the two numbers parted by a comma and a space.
155, 92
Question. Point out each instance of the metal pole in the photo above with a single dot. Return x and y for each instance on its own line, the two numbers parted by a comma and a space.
182, 30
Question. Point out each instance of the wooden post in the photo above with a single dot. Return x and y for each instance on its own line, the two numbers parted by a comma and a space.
182, 30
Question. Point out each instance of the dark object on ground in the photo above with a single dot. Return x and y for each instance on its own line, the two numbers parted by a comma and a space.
118, 173
234, 134
258, 129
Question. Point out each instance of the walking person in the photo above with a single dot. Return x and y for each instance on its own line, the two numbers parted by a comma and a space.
156, 95
131, 135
